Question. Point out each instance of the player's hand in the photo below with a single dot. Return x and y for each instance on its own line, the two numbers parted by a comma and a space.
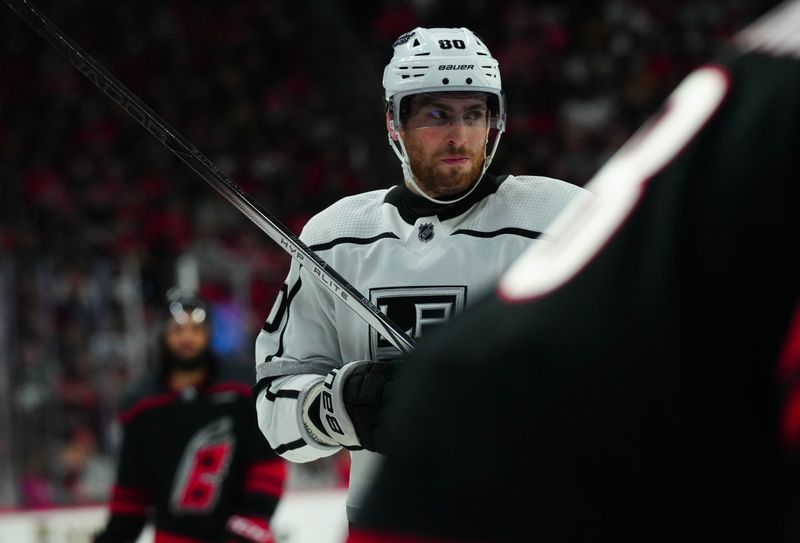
352, 400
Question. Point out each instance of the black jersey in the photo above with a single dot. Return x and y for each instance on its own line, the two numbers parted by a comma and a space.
639, 379
194, 464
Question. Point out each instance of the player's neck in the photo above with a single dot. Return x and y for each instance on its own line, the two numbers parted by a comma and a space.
180, 379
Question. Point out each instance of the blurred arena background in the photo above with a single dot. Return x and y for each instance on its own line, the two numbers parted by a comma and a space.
98, 220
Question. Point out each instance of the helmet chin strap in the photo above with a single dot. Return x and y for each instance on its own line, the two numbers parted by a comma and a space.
408, 175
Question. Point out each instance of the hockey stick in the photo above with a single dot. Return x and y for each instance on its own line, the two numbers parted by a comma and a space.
181, 147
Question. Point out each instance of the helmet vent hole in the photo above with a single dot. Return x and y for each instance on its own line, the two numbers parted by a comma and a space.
469, 81
445, 81
416, 43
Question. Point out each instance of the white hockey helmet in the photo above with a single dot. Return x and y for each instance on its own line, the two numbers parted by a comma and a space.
441, 60
429, 60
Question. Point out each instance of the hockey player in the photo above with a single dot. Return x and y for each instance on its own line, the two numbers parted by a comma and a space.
641, 381
192, 460
421, 251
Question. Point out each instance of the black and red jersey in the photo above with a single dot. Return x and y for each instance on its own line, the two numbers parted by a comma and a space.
194, 464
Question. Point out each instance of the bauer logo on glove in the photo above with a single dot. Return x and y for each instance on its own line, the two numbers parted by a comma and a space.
351, 400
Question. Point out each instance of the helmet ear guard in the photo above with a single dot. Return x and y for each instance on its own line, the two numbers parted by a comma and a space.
390, 125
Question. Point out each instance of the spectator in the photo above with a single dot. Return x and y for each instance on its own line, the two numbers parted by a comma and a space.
86, 473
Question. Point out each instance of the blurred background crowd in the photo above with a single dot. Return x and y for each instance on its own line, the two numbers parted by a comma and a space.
98, 219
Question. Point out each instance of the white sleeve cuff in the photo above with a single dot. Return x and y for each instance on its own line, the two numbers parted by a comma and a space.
279, 411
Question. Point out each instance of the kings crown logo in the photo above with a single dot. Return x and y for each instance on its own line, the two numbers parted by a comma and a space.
425, 232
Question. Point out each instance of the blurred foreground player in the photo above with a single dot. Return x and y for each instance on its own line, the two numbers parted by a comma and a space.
638, 380
192, 460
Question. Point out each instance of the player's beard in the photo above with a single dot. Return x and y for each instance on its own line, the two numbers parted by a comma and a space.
170, 361
438, 179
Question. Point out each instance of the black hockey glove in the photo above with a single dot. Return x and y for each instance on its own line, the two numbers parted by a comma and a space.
351, 402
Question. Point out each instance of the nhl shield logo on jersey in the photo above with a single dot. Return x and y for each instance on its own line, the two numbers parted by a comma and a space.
425, 232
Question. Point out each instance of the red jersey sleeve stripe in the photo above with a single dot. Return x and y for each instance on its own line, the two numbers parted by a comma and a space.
166, 537
275, 469
130, 501
143, 405
789, 379
131, 493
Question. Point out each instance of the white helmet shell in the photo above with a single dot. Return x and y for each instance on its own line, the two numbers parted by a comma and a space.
440, 60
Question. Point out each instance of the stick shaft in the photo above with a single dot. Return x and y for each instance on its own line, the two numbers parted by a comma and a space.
206, 169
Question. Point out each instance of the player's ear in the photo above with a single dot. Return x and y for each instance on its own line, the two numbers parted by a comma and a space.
390, 126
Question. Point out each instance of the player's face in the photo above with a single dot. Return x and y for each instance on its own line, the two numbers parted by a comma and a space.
188, 338
445, 138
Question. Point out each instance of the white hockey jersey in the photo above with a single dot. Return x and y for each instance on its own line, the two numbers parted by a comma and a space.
419, 262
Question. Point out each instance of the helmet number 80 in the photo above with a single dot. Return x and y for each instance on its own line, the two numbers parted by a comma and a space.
450, 44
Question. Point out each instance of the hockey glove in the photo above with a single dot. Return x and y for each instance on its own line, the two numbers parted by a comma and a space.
351, 400
248, 529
